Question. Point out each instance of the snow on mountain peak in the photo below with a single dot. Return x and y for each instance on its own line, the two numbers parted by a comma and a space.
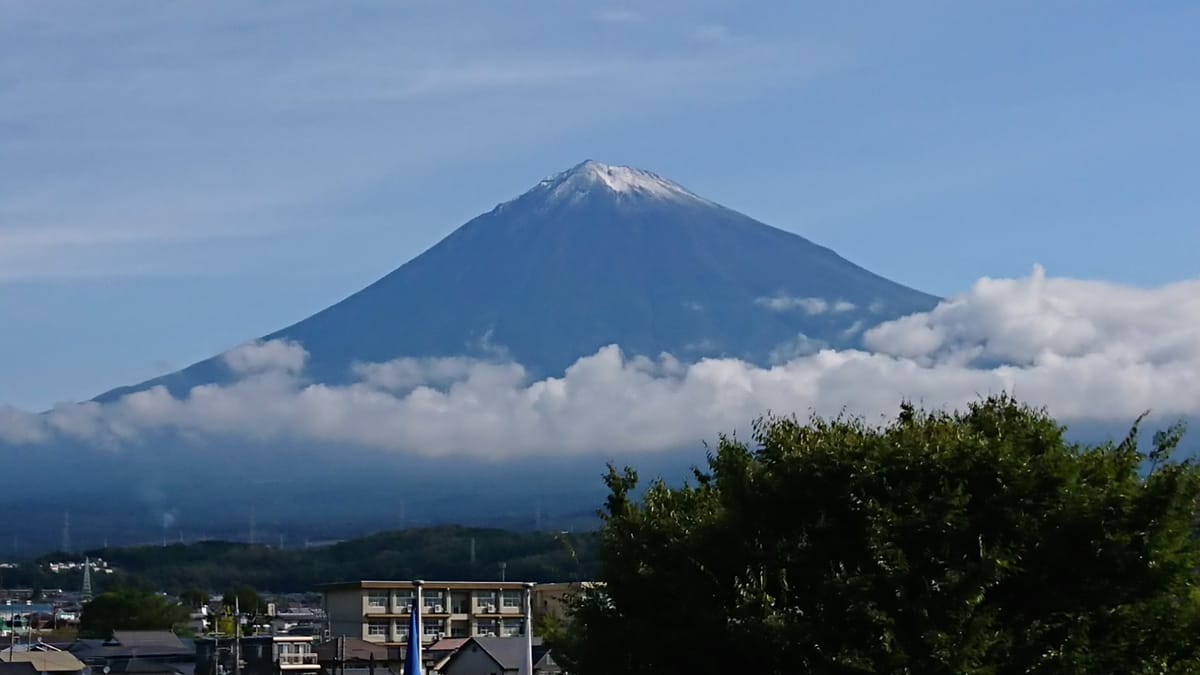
587, 177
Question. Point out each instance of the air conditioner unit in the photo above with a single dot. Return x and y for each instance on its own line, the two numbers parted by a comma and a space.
491, 609
437, 608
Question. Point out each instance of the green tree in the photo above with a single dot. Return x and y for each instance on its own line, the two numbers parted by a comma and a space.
246, 598
978, 542
193, 598
129, 610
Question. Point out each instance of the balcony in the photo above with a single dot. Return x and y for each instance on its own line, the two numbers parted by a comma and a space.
299, 662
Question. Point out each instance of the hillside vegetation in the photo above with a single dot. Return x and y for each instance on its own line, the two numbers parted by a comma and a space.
431, 553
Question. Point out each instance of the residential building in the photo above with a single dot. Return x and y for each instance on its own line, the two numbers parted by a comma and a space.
145, 646
343, 655
498, 656
20, 668
552, 599
260, 655
378, 611
52, 662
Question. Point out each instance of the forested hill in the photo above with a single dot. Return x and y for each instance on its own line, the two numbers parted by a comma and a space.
430, 553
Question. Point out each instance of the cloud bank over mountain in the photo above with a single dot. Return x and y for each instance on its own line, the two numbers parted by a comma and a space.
1089, 351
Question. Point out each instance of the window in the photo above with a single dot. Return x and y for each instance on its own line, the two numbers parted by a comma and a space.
487, 627
511, 627
402, 630
434, 602
485, 598
512, 599
404, 599
377, 628
377, 600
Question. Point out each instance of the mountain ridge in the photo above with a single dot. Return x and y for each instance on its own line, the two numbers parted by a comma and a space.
595, 255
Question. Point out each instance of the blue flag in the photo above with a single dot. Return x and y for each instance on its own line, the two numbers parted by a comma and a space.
412, 659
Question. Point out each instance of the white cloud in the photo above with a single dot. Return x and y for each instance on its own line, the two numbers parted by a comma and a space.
272, 355
1087, 350
782, 302
801, 345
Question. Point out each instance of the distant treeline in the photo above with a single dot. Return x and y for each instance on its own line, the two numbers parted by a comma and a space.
433, 553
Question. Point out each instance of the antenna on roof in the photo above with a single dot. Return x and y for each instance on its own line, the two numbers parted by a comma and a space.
86, 593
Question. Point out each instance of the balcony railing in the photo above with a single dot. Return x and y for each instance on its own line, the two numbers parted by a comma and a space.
298, 659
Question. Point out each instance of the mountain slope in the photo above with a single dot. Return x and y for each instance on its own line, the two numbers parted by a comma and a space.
593, 256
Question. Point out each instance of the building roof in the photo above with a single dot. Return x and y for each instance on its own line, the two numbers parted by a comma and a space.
21, 668
446, 644
355, 650
156, 639
431, 585
507, 652
45, 662
128, 644
142, 667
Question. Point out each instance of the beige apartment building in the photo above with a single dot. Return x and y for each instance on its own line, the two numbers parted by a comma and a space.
378, 611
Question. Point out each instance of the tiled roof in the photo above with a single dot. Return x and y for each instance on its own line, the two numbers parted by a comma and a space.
46, 662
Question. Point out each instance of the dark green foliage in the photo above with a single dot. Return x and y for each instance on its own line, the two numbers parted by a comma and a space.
244, 598
968, 543
193, 598
431, 553
129, 610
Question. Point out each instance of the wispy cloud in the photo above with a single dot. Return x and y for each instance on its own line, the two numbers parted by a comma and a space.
172, 124
618, 15
1087, 350
782, 302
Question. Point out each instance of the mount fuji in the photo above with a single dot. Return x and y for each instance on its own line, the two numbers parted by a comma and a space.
592, 256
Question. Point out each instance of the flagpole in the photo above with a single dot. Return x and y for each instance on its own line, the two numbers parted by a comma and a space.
528, 669
420, 619
413, 659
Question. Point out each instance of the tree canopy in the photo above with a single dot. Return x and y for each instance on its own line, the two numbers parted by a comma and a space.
974, 542
129, 610
244, 598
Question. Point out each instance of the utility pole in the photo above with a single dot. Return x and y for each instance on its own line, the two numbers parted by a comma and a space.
527, 668
237, 636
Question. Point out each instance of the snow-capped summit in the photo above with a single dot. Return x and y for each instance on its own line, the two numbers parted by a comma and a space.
593, 256
586, 177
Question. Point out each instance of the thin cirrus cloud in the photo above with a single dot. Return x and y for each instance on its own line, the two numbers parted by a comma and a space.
782, 302
151, 154
1089, 351
618, 15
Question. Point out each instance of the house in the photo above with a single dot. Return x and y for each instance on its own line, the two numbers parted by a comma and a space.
19, 668
260, 655
140, 667
53, 662
498, 656
345, 654
159, 647
437, 654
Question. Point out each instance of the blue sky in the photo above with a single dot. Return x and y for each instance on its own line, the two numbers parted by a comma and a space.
176, 178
